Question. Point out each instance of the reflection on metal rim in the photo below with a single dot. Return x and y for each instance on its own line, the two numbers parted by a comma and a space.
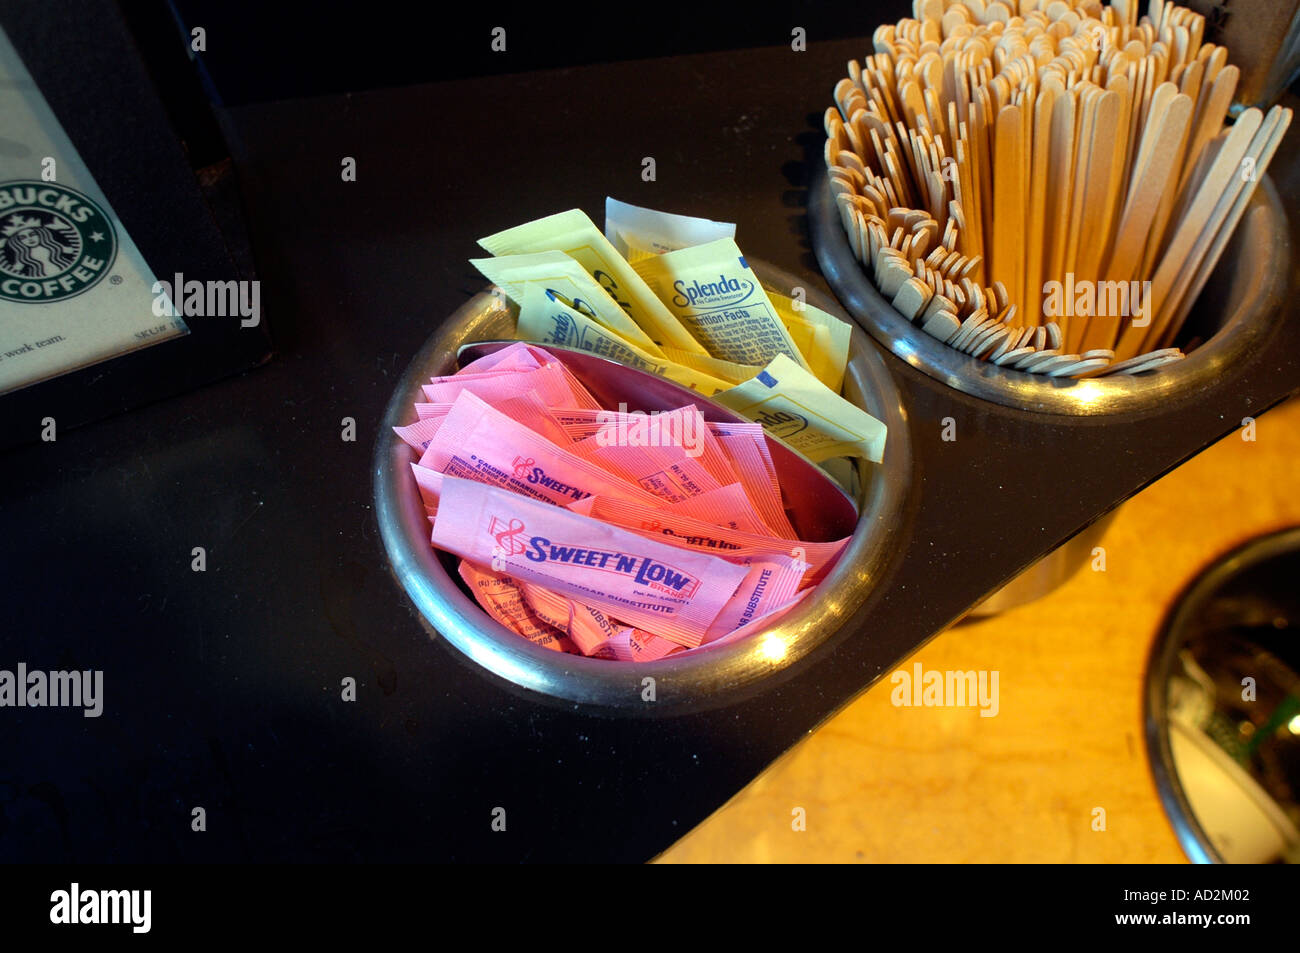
1260, 246
701, 678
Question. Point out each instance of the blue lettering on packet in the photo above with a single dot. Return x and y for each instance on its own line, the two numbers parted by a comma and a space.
766, 379
725, 292
642, 569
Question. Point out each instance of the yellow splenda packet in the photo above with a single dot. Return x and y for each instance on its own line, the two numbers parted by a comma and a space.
635, 247
641, 232
573, 233
823, 338
555, 271
712, 289
795, 406
548, 319
716, 366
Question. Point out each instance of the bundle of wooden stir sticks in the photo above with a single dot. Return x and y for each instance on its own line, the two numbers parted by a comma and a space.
1045, 185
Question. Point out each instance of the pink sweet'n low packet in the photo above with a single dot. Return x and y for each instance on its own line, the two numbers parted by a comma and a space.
582, 537
673, 592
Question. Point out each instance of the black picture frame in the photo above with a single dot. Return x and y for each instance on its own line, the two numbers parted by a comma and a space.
184, 220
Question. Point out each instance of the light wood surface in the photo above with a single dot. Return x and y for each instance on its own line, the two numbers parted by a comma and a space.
881, 783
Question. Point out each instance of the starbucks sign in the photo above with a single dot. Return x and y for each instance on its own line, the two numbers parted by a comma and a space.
54, 242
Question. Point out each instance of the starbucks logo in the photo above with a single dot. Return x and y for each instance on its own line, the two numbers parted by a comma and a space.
54, 242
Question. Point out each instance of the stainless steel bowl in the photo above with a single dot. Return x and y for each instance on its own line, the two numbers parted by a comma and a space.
701, 678
1223, 760
1235, 314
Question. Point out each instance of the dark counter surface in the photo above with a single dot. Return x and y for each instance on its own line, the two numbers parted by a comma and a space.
222, 688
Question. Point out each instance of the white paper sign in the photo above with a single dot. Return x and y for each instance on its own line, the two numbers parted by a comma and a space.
74, 289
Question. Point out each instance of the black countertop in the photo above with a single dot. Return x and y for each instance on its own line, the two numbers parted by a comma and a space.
222, 688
